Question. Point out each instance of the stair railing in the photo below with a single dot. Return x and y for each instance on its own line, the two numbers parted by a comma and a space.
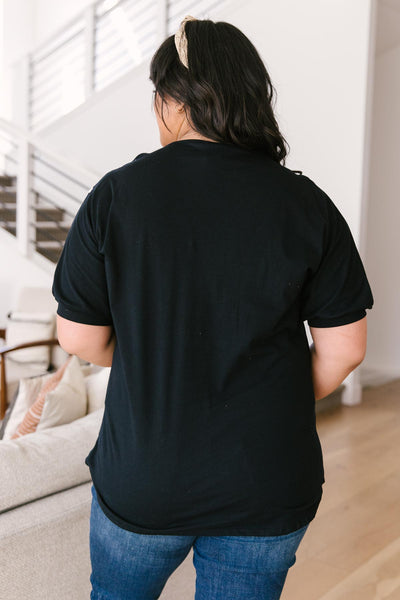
101, 44
49, 191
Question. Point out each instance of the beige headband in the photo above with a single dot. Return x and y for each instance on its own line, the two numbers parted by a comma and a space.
181, 41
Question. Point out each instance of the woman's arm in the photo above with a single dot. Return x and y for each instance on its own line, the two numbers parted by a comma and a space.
94, 343
336, 352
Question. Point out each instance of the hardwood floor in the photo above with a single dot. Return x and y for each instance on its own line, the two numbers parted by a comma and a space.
351, 550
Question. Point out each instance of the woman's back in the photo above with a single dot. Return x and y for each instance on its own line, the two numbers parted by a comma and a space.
214, 255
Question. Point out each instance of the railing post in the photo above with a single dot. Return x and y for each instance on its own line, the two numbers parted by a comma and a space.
21, 92
90, 26
162, 20
23, 197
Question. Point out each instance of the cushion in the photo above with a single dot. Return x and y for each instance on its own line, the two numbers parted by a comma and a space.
30, 327
46, 462
49, 400
96, 388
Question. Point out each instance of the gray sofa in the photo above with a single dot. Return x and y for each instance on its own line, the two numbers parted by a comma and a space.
45, 504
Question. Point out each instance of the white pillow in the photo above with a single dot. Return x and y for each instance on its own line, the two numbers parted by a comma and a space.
64, 403
25, 327
68, 401
96, 388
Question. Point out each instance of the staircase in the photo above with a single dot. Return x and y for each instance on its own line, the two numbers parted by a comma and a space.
49, 224
8, 203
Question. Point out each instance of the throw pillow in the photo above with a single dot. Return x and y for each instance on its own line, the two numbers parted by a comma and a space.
26, 394
23, 327
61, 399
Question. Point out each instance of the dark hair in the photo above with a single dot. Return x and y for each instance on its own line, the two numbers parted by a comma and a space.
226, 89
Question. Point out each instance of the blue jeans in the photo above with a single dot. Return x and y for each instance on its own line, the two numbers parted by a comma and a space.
133, 566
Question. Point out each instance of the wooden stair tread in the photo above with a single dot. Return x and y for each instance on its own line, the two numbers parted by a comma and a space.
52, 254
8, 180
8, 196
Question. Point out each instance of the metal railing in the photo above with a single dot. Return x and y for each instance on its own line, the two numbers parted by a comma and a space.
102, 44
55, 198
57, 76
124, 36
49, 189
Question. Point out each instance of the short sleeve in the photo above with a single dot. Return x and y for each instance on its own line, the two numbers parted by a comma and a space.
337, 292
79, 284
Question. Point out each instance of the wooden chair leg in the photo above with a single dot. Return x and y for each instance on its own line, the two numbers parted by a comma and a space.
3, 388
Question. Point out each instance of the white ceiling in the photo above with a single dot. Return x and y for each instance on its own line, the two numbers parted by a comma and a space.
388, 25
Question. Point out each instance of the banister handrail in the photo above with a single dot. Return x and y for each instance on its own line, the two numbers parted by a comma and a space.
60, 30
15, 130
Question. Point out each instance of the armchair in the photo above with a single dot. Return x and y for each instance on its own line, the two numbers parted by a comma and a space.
31, 300
4, 350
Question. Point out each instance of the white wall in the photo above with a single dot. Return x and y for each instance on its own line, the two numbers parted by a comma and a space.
17, 271
28, 23
18, 36
316, 53
31, 22
50, 15
383, 240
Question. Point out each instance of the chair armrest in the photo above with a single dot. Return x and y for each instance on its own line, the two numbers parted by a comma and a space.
3, 380
49, 342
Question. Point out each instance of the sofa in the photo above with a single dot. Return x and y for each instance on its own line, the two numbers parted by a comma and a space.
45, 500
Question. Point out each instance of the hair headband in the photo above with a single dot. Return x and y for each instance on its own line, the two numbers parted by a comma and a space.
181, 41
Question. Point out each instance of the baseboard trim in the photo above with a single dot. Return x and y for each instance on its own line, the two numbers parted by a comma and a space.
371, 377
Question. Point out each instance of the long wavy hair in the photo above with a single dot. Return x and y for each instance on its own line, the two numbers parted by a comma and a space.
226, 91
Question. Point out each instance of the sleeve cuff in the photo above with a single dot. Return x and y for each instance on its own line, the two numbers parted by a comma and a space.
81, 317
337, 321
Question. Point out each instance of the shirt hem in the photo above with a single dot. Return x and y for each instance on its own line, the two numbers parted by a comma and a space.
283, 525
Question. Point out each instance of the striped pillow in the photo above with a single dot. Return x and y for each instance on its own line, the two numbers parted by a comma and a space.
61, 399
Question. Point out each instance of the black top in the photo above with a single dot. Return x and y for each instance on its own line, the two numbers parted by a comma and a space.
207, 259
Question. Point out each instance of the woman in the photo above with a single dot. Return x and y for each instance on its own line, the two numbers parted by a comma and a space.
191, 270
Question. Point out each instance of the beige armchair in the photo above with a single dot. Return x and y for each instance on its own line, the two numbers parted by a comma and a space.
31, 300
